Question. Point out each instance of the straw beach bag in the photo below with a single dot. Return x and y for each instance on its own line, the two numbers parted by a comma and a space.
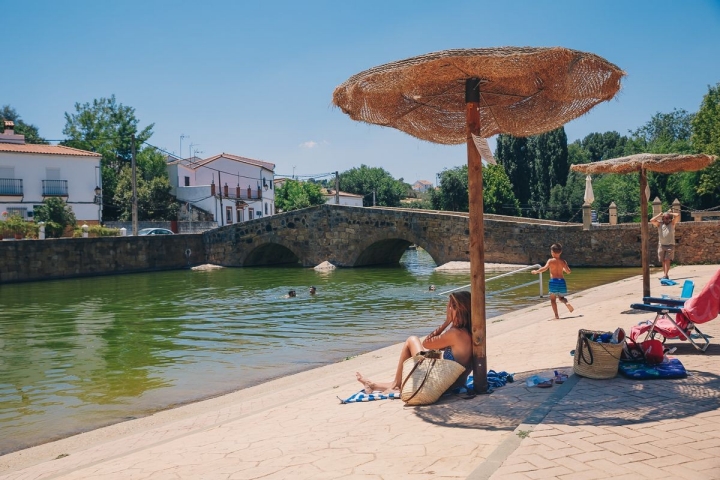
426, 376
594, 359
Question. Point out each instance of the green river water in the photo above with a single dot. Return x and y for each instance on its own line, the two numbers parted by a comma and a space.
82, 353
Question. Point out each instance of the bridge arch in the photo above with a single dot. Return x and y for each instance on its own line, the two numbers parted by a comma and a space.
389, 251
270, 253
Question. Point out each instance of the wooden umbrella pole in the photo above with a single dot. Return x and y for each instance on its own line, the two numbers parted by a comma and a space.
477, 237
644, 233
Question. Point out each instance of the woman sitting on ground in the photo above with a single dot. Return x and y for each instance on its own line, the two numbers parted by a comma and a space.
456, 343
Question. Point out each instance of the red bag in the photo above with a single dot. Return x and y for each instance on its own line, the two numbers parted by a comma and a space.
653, 351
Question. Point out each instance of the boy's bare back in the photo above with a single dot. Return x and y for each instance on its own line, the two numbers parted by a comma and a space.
558, 267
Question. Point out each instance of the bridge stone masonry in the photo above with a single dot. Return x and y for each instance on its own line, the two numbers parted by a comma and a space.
345, 236
358, 236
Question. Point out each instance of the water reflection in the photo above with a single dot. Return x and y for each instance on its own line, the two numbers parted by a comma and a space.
77, 354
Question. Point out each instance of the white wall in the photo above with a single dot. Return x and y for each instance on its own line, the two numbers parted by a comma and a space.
238, 172
80, 172
345, 200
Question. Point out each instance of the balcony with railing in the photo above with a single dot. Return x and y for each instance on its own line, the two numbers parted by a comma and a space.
11, 187
55, 188
237, 193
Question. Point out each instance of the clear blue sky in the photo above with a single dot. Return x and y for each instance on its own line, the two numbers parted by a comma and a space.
256, 78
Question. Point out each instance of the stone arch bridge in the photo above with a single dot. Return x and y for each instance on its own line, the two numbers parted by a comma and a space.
358, 236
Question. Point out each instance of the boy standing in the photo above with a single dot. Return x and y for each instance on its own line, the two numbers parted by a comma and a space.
557, 286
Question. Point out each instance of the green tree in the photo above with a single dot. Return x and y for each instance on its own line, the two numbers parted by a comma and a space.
602, 146
452, 194
706, 139
663, 133
498, 196
294, 195
56, 214
106, 127
668, 133
550, 167
155, 202
21, 128
513, 154
366, 180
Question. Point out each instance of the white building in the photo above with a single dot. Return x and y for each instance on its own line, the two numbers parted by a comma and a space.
31, 173
422, 186
345, 198
231, 188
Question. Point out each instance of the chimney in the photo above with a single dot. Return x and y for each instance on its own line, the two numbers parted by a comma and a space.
9, 136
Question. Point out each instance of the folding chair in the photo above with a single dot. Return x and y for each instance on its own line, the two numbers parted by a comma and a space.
688, 313
665, 325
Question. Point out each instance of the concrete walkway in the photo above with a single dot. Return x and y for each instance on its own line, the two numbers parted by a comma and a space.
295, 427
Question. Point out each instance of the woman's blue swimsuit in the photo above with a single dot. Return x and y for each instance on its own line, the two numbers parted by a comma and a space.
557, 285
447, 354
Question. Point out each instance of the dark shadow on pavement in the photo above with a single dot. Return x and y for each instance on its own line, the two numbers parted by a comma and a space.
613, 402
504, 409
620, 401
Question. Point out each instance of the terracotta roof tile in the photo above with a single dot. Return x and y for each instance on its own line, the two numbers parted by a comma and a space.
237, 158
46, 150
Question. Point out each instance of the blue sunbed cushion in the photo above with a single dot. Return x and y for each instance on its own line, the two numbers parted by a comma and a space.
671, 368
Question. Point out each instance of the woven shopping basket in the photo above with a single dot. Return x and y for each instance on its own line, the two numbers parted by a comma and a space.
596, 360
426, 376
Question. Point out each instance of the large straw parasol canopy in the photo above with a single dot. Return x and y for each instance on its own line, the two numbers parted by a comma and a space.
653, 162
523, 91
642, 163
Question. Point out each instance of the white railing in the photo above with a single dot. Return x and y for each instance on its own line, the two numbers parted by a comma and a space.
529, 267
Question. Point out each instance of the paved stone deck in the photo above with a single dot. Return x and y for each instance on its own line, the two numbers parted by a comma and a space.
295, 427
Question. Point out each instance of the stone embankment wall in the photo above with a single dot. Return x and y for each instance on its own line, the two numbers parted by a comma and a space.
30, 260
349, 237
603, 246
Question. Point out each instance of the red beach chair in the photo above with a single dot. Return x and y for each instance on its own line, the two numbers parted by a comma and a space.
688, 314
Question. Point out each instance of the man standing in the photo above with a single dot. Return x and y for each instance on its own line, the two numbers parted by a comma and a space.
666, 238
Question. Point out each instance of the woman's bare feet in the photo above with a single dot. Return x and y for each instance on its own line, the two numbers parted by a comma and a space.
366, 383
370, 386
569, 307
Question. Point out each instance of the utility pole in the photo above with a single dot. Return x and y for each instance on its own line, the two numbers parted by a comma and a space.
134, 191
373, 198
222, 212
337, 188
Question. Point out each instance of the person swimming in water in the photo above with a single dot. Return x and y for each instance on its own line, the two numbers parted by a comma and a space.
456, 343
312, 290
290, 294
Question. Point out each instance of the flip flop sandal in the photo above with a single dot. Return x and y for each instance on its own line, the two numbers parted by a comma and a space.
560, 377
545, 384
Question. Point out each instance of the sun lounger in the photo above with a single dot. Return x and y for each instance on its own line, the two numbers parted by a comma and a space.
687, 314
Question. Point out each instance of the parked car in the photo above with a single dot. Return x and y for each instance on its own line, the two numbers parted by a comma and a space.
155, 231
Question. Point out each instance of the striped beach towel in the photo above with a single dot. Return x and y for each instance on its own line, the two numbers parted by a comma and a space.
495, 380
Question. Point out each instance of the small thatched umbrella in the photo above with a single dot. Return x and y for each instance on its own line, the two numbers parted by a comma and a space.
449, 97
644, 162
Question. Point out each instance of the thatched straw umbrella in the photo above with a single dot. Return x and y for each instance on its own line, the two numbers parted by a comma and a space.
642, 163
454, 96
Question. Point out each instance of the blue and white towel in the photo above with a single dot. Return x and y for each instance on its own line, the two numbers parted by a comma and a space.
495, 380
